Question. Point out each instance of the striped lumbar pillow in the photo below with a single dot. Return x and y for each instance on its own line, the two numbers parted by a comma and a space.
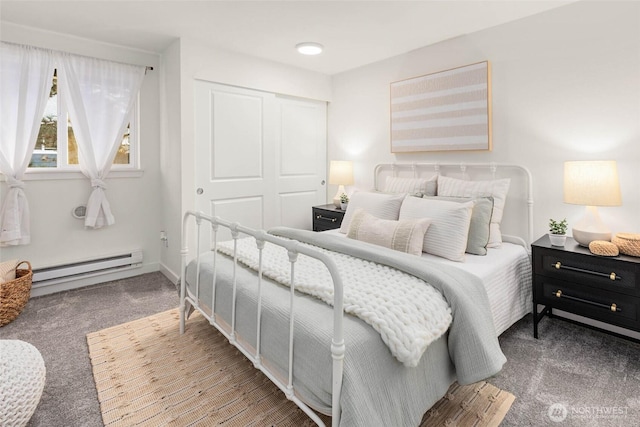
404, 236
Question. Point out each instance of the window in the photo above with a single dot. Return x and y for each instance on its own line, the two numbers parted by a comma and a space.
56, 145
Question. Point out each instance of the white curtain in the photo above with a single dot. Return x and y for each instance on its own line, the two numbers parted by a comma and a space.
99, 96
25, 81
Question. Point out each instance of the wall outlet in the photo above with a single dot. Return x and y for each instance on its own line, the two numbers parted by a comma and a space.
164, 239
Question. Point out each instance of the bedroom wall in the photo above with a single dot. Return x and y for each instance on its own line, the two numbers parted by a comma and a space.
58, 238
566, 86
204, 62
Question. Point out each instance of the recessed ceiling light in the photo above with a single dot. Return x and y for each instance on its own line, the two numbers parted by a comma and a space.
309, 48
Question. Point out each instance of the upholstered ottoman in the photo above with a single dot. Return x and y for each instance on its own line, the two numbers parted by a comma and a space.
22, 375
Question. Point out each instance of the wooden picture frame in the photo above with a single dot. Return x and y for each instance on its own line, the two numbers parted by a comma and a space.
445, 111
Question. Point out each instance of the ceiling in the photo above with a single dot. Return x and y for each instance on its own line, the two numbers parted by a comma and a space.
354, 33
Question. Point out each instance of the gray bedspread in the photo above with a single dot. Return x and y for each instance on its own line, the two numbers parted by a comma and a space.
377, 389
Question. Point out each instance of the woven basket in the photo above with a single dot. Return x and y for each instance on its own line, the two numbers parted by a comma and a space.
14, 294
628, 243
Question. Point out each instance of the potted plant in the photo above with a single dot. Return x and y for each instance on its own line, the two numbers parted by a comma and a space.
558, 232
344, 200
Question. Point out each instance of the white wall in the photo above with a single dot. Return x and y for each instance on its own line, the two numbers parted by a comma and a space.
199, 61
566, 86
170, 160
56, 237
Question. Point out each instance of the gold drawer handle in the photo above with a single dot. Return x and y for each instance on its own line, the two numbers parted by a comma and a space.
613, 307
324, 217
558, 266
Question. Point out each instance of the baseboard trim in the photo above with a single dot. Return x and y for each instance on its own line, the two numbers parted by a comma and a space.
169, 274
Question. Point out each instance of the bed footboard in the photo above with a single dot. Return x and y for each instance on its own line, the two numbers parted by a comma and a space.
293, 250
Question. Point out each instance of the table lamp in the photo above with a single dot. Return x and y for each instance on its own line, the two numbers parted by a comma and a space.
593, 184
340, 174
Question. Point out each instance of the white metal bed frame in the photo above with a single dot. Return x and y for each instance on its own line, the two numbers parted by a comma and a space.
293, 250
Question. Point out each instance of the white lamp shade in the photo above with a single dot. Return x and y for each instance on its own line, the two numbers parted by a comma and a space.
592, 183
341, 172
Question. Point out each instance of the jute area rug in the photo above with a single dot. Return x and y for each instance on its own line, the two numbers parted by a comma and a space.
147, 374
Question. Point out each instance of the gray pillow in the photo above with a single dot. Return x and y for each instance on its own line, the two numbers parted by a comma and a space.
480, 221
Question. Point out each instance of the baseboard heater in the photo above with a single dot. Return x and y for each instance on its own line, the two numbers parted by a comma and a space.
67, 272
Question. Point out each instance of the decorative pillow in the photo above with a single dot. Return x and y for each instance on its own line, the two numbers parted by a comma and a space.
420, 186
8, 270
404, 235
480, 222
447, 235
497, 189
380, 205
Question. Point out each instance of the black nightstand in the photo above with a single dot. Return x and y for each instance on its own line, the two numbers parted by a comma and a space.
327, 217
572, 279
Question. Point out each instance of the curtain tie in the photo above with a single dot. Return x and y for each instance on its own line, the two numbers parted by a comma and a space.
14, 183
95, 183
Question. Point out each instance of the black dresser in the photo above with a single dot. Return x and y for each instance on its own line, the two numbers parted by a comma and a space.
327, 217
572, 279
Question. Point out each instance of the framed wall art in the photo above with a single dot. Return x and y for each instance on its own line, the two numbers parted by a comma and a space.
444, 111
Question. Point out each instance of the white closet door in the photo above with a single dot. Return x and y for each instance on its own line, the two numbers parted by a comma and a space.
301, 161
258, 159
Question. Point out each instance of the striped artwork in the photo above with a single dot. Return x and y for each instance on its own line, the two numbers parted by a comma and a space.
448, 110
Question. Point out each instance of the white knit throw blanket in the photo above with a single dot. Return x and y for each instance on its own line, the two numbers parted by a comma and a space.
407, 312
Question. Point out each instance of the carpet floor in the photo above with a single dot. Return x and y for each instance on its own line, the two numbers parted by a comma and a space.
147, 374
594, 376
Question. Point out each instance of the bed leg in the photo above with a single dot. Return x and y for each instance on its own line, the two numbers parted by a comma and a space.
182, 308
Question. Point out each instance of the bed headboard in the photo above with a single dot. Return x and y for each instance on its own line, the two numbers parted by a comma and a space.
517, 221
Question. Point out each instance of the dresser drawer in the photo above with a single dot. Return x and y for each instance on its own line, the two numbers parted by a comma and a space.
611, 307
606, 274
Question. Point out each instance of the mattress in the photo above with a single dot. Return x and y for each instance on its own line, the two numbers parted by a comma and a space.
506, 275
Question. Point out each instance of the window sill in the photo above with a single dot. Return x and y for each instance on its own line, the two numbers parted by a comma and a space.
45, 175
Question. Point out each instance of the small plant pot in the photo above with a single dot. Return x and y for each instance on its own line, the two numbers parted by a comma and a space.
558, 239
343, 206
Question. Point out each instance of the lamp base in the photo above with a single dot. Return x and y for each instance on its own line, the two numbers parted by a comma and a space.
590, 228
584, 237
336, 198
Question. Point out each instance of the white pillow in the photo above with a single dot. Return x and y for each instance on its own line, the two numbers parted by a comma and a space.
497, 189
380, 205
447, 235
404, 235
480, 225
415, 186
